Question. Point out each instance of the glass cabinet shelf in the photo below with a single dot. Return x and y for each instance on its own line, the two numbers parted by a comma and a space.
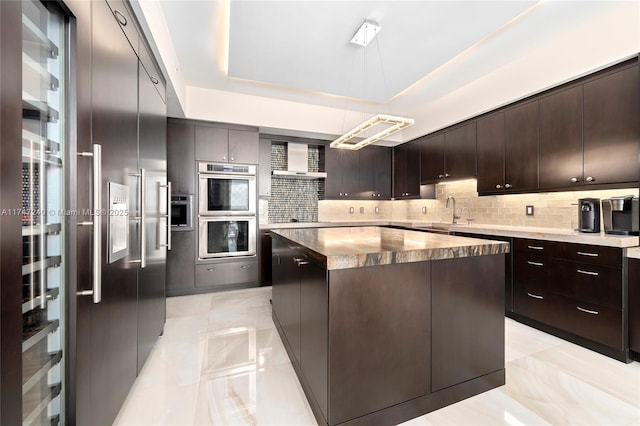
51, 229
33, 109
38, 375
33, 141
38, 333
33, 34
37, 301
34, 66
36, 413
38, 265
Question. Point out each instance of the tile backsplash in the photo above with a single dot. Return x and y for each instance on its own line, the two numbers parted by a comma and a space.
551, 210
293, 198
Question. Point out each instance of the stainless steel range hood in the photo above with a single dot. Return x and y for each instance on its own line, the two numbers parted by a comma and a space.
298, 163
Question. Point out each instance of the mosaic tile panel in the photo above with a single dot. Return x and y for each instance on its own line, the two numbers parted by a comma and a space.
294, 198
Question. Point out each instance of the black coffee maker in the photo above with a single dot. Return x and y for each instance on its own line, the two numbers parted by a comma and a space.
621, 215
589, 215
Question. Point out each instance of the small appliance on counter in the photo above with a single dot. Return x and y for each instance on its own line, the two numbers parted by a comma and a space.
620, 215
589, 215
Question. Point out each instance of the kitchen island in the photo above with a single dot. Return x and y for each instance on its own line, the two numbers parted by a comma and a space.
383, 325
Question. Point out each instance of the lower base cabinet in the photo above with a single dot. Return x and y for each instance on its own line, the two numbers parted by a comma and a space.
180, 267
574, 291
634, 307
384, 344
226, 274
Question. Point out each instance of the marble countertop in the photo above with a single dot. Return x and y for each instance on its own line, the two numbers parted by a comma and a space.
549, 234
633, 252
352, 247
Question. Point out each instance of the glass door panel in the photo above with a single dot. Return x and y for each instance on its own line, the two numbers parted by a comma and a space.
43, 134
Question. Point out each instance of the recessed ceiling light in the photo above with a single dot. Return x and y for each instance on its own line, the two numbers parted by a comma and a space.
366, 33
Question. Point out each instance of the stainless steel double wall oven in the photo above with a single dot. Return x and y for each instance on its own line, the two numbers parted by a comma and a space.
226, 210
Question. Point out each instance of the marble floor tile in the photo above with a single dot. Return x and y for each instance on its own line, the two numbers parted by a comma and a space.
523, 340
221, 362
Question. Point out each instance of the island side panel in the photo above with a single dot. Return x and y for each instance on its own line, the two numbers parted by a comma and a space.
467, 319
379, 334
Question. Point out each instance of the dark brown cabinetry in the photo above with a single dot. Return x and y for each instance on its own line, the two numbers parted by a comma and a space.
180, 263
490, 143
611, 127
181, 156
343, 173
375, 173
561, 138
450, 155
265, 257
226, 145
406, 342
578, 290
508, 267
507, 143
406, 171
634, 307
521, 147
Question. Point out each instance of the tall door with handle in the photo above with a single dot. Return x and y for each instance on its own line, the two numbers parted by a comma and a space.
107, 338
155, 222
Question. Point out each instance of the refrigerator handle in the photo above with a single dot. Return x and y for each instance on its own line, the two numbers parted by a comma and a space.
143, 222
96, 292
167, 216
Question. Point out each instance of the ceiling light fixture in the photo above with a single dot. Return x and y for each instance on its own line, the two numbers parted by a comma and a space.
397, 124
365, 34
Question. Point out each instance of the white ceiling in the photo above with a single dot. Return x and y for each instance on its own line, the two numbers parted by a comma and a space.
299, 52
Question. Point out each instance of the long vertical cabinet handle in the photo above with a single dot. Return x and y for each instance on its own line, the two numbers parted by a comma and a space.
96, 269
168, 216
143, 222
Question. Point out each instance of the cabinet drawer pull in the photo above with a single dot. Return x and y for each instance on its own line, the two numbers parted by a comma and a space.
535, 247
498, 186
535, 263
154, 80
211, 269
535, 296
580, 271
582, 253
588, 311
245, 267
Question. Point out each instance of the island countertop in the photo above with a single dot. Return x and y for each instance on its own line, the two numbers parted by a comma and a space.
353, 247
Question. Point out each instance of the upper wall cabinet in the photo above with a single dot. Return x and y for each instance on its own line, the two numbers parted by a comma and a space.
226, 145
612, 127
181, 156
450, 155
521, 147
343, 173
406, 171
561, 138
375, 173
508, 150
491, 152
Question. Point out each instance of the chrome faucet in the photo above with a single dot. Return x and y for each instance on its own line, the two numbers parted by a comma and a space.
455, 218
469, 217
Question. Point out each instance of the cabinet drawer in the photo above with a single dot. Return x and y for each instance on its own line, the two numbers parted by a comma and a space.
533, 270
590, 283
595, 322
226, 274
538, 304
598, 255
127, 22
538, 247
